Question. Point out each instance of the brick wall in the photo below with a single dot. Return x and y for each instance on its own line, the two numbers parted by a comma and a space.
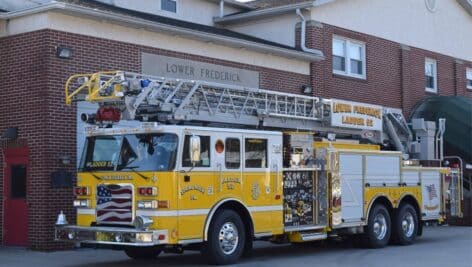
33, 87
395, 73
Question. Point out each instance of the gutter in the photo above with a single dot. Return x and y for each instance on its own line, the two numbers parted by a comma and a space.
160, 27
303, 34
467, 5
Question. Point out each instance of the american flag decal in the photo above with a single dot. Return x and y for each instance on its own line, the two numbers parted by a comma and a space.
114, 203
431, 191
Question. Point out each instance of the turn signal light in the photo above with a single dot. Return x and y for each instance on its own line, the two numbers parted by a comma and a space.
147, 204
81, 203
81, 191
147, 191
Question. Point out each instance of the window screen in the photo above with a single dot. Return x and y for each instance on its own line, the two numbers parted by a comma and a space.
204, 150
469, 78
255, 153
169, 5
430, 74
233, 153
339, 55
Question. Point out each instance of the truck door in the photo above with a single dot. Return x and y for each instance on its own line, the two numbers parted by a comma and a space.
196, 186
228, 150
259, 183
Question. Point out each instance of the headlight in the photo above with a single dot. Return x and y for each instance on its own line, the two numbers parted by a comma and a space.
142, 222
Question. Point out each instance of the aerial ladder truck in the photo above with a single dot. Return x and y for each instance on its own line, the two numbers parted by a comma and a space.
214, 167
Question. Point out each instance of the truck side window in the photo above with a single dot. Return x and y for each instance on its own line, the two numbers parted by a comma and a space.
255, 153
233, 153
205, 152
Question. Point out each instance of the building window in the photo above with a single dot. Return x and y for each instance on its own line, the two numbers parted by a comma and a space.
169, 5
431, 75
469, 78
349, 57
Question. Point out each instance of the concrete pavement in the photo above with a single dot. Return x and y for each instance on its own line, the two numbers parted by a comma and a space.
439, 246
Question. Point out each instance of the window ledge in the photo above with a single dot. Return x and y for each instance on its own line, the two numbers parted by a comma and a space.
349, 77
431, 90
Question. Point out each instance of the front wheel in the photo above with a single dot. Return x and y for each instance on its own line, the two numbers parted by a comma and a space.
226, 238
405, 225
141, 253
378, 229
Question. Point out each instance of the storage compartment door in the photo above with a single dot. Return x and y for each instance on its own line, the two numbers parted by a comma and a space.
350, 168
431, 192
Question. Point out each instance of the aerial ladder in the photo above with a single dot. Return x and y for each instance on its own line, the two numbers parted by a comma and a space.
133, 96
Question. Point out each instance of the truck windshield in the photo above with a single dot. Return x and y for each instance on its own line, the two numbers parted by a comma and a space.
140, 152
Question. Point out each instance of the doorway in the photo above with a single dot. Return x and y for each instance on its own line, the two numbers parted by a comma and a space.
15, 180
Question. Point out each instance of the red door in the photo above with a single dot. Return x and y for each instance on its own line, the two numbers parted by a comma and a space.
15, 225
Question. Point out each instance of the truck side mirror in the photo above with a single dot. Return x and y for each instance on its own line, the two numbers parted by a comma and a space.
195, 152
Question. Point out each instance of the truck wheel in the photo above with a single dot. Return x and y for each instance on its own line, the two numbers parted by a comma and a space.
405, 226
378, 227
143, 253
226, 238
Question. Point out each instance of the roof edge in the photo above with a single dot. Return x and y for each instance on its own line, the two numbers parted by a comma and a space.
260, 13
153, 26
268, 12
467, 5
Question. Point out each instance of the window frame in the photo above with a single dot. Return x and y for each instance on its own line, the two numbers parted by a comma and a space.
435, 75
165, 10
210, 151
468, 72
347, 59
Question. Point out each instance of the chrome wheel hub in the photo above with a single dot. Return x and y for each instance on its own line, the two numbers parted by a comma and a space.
380, 226
408, 224
228, 238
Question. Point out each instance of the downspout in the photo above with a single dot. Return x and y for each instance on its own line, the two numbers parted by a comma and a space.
303, 34
222, 8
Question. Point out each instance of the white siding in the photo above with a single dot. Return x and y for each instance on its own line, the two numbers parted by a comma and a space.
197, 11
279, 29
447, 31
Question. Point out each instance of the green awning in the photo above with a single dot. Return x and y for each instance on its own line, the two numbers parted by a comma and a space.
457, 110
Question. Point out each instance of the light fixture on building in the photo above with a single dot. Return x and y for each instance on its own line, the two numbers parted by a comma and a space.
11, 133
307, 90
64, 159
64, 52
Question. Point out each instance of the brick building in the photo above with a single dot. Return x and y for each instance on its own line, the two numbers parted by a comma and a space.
41, 45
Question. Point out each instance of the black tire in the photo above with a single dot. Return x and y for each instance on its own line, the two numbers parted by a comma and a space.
226, 223
143, 253
405, 225
378, 230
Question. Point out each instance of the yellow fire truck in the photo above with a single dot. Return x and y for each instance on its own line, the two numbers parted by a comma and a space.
215, 167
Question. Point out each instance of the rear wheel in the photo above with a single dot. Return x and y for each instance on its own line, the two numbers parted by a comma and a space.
143, 253
378, 230
226, 238
405, 225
